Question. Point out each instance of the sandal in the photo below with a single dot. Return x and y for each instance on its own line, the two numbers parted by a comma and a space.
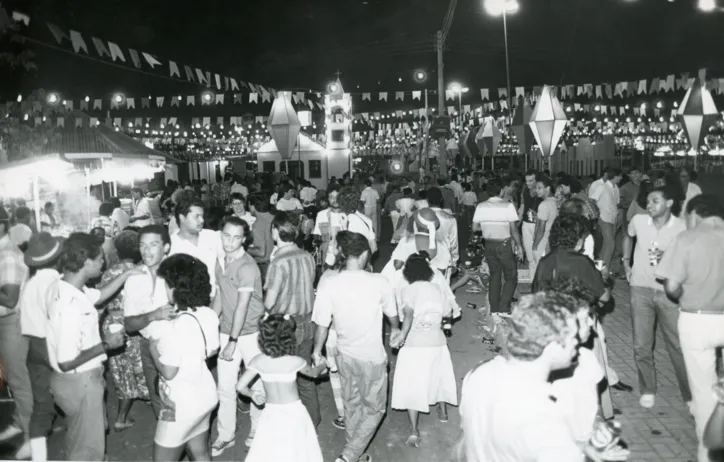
442, 415
121, 426
414, 441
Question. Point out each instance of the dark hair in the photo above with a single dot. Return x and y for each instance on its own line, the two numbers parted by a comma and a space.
494, 187
547, 182
48, 205
277, 336
573, 206
21, 213
532, 171
126, 243
705, 205
670, 194
348, 199
136, 189
468, 187
435, 198
183, 206
236, 221
406, 191
574, 287
611, 171
417, 268
155, 229
692, 173
287, 226
237, 197
78, 248
351, 244
567, 230
645, 188
368, 182
422, 194
572, 183
260, 203
189, 279
105, 209
116, 202
99, 233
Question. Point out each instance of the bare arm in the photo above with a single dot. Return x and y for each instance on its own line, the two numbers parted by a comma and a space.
242, 386
139, 322
673, 289
320, 337
714, 432
540, 230
515, 234
110, 289
168, 372
9, 295
82, 358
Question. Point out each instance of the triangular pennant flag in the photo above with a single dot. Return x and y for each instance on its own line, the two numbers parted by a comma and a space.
253, 97
300, 96
189, 73
151, 60
135, 58
100, 47
237, 98
77, 41
484, 94
69, 105
61, 122
654, 87
78, 122
206, 122
116, 52
145, 102
201, 76
399, 96
190, 100
83, 105
130, 103
416, 95
220, 121
449, 94
175, 101
366, 96
503, 92
609, 91
57, 33
219, 98
173, 69
234, 85
642, 87
217, 78
599, 91
159, 101
383, 96
97, 104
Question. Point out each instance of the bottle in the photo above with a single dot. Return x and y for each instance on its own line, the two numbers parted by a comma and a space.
447, 326
654, 254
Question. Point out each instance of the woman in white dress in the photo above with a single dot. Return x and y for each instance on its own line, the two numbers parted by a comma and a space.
285, 431
424, 372
186, 386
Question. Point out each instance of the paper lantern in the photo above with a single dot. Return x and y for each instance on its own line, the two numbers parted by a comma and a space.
520, 127
548, 121
491, 136
698, 113
284, 125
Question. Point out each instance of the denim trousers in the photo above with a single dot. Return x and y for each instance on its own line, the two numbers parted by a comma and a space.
81, 397
13, 354
650, 307
307, 387
41, 420
503, 274
364, 390
608, 242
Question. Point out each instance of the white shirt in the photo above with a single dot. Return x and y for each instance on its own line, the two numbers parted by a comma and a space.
495, 216
142, 294
606, 196
458, 190
142, 207
209, 250
121, 217
692, 191
20, 233
359, 223
506, 418
72, 327
308, 194
356, 301
405, 205
240, 188
289, 205
370, 197
37, 295
449, 231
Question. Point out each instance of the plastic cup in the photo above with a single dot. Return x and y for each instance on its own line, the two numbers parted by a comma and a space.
115, 328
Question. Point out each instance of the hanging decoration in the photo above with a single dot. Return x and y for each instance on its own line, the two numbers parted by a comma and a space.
520, 126
547, 121
284, 125
491, 136
697, 113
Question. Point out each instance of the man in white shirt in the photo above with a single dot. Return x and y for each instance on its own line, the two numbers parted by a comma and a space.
289, 203
371, 199
506, 407
192, 239
308, 194
76, 351
654, 232
119, 216
605, 192
498, 221
448, 223
357, 300
456, 188
21, 232
329, 222
145, 303
141, 209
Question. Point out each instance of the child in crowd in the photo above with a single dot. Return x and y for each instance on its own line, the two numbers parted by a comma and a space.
285, 430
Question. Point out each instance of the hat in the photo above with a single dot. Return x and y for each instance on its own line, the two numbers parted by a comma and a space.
42, 249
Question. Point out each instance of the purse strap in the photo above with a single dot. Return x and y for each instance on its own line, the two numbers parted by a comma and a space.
206, 354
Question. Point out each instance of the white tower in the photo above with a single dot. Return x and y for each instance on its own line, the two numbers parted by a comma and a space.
338, 111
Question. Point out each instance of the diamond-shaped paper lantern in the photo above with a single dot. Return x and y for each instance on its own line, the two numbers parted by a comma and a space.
698, 113
491, 136
548, 121
284, 125
520, 126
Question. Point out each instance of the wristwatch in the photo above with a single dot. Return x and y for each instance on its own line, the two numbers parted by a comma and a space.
234, 339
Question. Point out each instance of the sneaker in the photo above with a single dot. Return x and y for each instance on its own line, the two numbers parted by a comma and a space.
341, 459
647, 400
220, 446
10, 432
24, 452
365, 458
339, 423
250, 439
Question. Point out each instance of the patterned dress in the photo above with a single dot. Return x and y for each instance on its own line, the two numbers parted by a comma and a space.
125, 365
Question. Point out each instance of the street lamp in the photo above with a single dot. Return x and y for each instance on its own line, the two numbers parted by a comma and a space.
459, 89
707, 6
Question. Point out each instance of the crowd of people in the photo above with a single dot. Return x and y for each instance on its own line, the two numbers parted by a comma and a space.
276, 289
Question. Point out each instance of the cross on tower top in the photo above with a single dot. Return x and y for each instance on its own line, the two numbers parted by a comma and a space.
338, 74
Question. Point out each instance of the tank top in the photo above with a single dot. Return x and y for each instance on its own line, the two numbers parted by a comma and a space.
530, 206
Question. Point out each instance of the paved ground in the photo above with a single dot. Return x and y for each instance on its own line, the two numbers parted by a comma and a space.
665, 433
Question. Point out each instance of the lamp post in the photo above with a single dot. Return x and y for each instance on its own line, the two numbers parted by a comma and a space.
459, 90
421, 77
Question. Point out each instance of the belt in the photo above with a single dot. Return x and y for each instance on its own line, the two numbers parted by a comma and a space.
701, 311
501, 241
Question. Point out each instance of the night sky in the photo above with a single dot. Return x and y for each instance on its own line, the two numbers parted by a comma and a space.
301, 44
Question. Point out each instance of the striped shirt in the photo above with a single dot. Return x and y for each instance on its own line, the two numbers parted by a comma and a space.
290, 281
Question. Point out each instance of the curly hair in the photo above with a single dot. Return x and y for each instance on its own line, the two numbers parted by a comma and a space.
189, 279
287, 224
567, 231
348, 199
233, 220
126, 244
705, 205
417, 268
538, 320
78, 248
435, 198
350, 244
183, 206
277, 336
645, 188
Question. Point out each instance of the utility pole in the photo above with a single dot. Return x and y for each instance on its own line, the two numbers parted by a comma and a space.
442, 153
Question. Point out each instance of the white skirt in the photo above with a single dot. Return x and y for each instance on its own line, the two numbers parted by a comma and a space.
285, 433
423, 376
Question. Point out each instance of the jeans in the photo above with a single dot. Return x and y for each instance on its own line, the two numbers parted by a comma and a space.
228, 374
151, 374
80, 397
503, 274
41, 420
14, 353
608, 241
647, 307
307, 387
364, 389
701, 335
